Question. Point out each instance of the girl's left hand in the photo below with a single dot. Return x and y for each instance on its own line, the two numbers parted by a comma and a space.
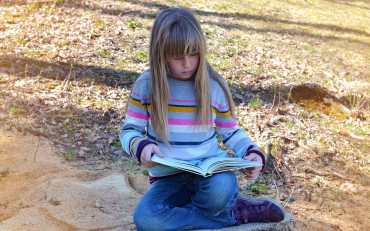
252, 173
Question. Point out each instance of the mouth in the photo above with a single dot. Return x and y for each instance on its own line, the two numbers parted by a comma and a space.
186, 72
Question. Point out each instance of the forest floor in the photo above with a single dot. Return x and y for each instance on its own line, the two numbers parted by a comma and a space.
298, 73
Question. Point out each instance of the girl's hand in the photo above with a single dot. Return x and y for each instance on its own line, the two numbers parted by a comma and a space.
146, 155
252, 173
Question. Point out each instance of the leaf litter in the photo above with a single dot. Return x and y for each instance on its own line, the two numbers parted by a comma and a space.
68, 67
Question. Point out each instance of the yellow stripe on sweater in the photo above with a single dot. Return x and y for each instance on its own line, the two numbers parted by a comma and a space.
138, 103
133, 144
179, 109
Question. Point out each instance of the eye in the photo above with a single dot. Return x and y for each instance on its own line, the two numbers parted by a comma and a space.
194, 54
178, 58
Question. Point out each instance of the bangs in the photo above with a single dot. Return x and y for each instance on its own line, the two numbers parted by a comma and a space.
182, 40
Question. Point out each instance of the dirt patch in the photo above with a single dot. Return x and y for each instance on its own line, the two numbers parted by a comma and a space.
39, 192
313, 98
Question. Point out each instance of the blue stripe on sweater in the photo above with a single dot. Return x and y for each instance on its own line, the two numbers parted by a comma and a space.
184, 143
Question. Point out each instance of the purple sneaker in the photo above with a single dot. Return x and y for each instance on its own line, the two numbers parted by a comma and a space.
257, 210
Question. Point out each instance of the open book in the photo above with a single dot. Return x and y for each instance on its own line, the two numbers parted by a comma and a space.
208, 166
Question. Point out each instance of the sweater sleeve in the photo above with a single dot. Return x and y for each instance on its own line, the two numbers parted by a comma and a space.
232, 135
133, 131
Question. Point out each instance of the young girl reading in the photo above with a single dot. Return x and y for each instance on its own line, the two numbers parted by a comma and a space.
171, 112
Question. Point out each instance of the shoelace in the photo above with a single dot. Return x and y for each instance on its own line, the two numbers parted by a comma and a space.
256, 213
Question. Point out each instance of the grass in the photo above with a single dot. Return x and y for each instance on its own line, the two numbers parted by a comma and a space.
258, 189
255, 103
71, 123
132, 24
18, 111
116, 144
68, 155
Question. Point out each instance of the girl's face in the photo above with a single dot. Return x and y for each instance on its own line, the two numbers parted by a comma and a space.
183, 68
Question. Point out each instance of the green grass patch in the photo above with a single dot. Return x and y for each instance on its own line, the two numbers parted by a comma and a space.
117, 144
132, 24
141, 54
146, 172
258, 189
17, 111
70, 155
255, 103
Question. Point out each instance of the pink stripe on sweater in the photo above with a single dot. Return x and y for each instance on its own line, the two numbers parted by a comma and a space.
226, 125
136, 94
220, 105
185, 122
183, 101
137, 115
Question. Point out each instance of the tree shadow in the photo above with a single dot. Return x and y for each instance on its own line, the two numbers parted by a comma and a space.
287, 31
27, 67
150, 5
349, 3
256, 17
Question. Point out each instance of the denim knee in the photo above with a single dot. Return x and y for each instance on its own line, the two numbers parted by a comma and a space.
145, 219
221, 192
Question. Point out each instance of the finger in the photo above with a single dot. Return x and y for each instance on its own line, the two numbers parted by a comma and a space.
248, 177
149, 164
251, 156
251, 176
145, 159
255, 170
244, 171
157, 151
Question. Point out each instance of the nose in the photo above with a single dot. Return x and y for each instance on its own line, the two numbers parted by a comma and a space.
186, 62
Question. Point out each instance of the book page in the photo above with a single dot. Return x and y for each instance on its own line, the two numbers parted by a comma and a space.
180, 164
217, 164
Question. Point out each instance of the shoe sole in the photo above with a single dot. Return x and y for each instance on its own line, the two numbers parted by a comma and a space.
265, 199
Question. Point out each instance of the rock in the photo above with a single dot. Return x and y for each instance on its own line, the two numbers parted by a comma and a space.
348, 187
98, 205
102, 204
54, 202
274, 120
286, 225
4, 172
26, 221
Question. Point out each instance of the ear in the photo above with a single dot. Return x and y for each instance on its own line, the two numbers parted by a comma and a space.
167, 68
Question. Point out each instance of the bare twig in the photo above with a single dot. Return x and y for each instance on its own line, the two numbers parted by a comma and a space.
38, 133
273, 101
307, 148
290, 93
277, 190
289, 197
37, 148
279, 95
118, 82
25, 71
284, 137
69, 76
321, 173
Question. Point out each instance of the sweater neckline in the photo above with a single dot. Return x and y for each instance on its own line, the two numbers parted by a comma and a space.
170, 79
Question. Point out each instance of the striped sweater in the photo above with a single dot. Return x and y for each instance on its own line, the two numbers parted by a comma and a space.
188, 140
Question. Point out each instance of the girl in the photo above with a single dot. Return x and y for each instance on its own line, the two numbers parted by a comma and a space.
171, 112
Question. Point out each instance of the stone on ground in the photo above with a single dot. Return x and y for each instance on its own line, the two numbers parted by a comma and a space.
106, 203
286, 225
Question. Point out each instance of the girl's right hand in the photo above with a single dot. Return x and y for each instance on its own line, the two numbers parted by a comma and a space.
146, 155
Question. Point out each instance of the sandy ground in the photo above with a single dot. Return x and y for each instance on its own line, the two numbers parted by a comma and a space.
39, 192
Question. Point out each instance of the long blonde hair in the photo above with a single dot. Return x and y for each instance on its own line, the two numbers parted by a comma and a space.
177, 33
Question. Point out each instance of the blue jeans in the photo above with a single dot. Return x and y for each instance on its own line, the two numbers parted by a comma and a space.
188, 201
